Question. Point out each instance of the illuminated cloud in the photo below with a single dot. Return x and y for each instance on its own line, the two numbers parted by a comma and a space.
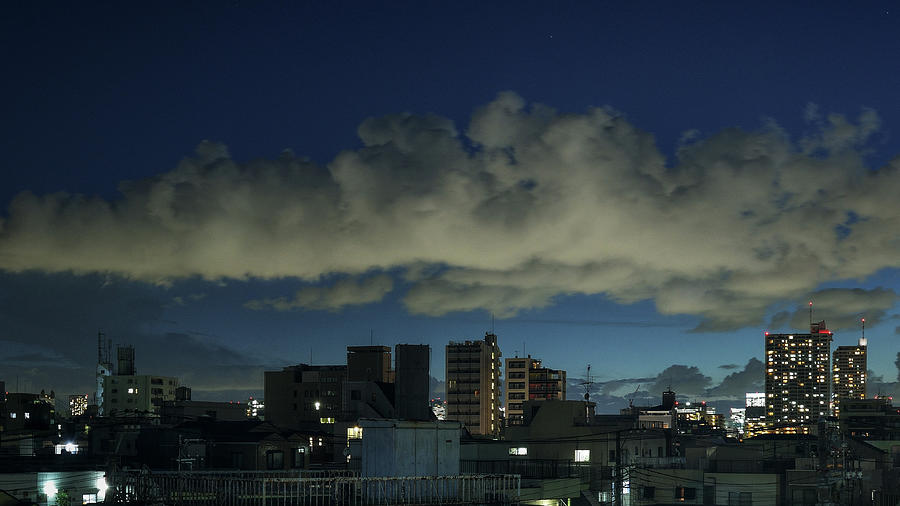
344, 292
522, 205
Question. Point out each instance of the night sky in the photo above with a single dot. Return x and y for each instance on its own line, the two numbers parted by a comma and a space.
644, 187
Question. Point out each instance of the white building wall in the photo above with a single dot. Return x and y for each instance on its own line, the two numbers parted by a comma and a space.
409, 448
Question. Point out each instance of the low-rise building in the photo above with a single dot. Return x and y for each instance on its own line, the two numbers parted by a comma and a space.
142, 393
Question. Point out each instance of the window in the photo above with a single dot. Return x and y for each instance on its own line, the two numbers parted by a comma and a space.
326, 420
354, 432
520, 395
13, 415
517, 365
518, 450
298, 458
274, 459
517, 385
516, 375
582, 455
28, 416
648, 492
685, 494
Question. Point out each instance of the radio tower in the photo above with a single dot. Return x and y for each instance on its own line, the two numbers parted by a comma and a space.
104, 368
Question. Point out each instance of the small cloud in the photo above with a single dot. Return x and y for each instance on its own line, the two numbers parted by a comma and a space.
681, 379
736, 384
728, 366
344, 292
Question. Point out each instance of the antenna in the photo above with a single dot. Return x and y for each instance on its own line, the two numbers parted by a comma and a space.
99, 346
810, 314
492, 322
587, 384
862, 340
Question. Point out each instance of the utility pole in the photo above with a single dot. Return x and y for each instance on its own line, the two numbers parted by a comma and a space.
617, 479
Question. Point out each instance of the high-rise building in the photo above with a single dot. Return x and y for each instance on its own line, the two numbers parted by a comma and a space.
302, 394
754, 414
798, 379
369, 363
849, 373
413, 381
473, 384
527, 380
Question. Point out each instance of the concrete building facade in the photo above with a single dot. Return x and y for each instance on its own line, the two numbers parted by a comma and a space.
527, 380
138, 394
473, 384
302, 394
413, 381
369, 363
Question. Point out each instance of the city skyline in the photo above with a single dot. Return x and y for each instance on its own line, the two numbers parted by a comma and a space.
588, 185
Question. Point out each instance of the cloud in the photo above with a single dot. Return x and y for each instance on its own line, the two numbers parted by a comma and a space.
688, 382
522, 205
843, 308
728, 366
736, 384
49, 324
681, 379
344, 292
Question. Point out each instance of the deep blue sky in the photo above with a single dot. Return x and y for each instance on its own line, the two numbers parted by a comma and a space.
95, 94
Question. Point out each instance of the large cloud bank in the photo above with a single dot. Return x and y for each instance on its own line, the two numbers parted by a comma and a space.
526, 204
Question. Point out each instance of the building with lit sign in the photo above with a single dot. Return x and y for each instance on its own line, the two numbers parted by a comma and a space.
798, 379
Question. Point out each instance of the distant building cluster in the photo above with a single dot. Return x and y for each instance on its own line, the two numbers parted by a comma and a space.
803, 385
370, 430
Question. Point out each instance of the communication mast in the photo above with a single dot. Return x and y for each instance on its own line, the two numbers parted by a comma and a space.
586, 384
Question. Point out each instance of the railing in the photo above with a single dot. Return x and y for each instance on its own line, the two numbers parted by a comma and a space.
530, 468
660, 462
265, 489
